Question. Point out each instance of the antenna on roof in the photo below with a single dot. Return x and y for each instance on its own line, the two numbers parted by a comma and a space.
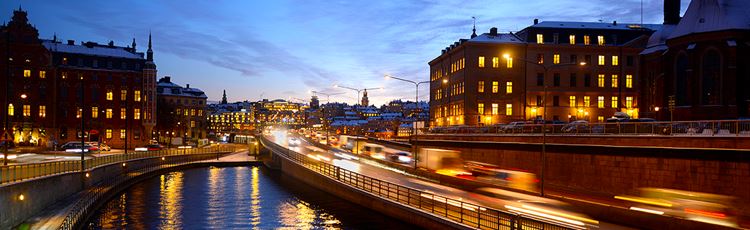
641, 13
474, 29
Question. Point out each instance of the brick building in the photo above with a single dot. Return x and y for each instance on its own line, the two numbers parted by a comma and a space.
182, 112
498, 77
702, 60
54, 85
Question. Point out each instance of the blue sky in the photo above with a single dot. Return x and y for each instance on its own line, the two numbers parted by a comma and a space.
285, 48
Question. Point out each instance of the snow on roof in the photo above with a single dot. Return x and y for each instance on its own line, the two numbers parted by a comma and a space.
657, 41
168, 85
95, 50
499, 38
713, 15
595, 25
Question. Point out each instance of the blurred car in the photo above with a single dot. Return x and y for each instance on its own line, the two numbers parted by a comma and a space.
697, 206
400, 157
293, 141
99, 146
76, 147
151, 147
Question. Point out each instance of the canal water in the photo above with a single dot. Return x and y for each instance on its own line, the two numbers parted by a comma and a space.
233, 198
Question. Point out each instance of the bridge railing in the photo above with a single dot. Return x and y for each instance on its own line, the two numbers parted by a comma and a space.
14, 173
720, 128
472, 215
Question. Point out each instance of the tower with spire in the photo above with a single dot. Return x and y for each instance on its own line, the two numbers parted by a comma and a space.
365, 100
224, 98
474, 29
149, 88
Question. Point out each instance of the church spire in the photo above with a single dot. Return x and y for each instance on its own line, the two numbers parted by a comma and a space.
474, 30
224, 97
133, 45
149, 52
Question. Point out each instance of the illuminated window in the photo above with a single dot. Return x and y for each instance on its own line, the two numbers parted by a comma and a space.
572, 101
192, 124
586, 101
556, 59
26, 73
615, 60
540, 58
495, 62
64, 75
108, 133
480, 108
509, 87
480, 87
495, 87
628, 102
615, 101
137, 95
600, 102
572, 39
123, 113
136, 114
586, 40
122, 133
600, 118
601, 60
200, 112
94, 112
42, 111
494, 109
185, 111
600, 40
540, 39
42, 74
192, 112
11, 110
508, 109
615, 82
601, 81
26, 110
123, 94
509, 63
109, 95
481, 61
178, 112
628, 81
108, 113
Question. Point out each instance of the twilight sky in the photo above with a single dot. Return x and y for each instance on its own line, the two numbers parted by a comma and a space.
284, 48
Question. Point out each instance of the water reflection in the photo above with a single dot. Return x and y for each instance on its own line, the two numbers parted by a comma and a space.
236, 198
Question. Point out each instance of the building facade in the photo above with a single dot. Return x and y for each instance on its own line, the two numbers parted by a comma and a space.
182, 113
574, 70
53, 86
699, 63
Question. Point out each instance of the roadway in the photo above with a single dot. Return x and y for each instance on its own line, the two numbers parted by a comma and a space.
511, 201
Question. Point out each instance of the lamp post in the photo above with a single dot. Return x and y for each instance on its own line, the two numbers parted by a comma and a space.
416, 107
544, 112
328, 97
7, 89
83, 132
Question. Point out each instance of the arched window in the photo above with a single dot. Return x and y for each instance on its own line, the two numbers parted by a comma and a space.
681, 66
711, 78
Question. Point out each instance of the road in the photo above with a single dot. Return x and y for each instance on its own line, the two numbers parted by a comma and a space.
511, 201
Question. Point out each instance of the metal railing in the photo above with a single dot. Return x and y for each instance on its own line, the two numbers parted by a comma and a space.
471, 215
101, 192
722, 128
14, 173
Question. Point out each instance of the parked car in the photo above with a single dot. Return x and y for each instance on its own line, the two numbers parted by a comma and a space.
513, 127
579, 126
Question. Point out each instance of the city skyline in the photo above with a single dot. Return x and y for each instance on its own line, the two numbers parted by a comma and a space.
192, 43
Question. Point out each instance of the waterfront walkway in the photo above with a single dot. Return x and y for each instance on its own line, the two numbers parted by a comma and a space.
54, 216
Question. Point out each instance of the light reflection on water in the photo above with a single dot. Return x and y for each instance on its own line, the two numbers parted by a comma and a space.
236, 198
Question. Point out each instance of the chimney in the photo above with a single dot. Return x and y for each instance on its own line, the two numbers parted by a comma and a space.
536, 21
671, 12
187, 86
614, 23
111, 43
71, 42
493, 31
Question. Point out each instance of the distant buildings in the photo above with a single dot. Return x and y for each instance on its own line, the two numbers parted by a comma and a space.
182, 112
236, 118
51, 86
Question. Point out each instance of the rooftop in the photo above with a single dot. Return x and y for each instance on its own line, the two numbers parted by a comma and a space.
92, 48
595, 25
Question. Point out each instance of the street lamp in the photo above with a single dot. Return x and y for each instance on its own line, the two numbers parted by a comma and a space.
544, 112
355, 89
416, 107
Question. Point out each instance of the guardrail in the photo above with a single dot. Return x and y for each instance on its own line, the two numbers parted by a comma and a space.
14, 173
102, 190
726, 128
471, 215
